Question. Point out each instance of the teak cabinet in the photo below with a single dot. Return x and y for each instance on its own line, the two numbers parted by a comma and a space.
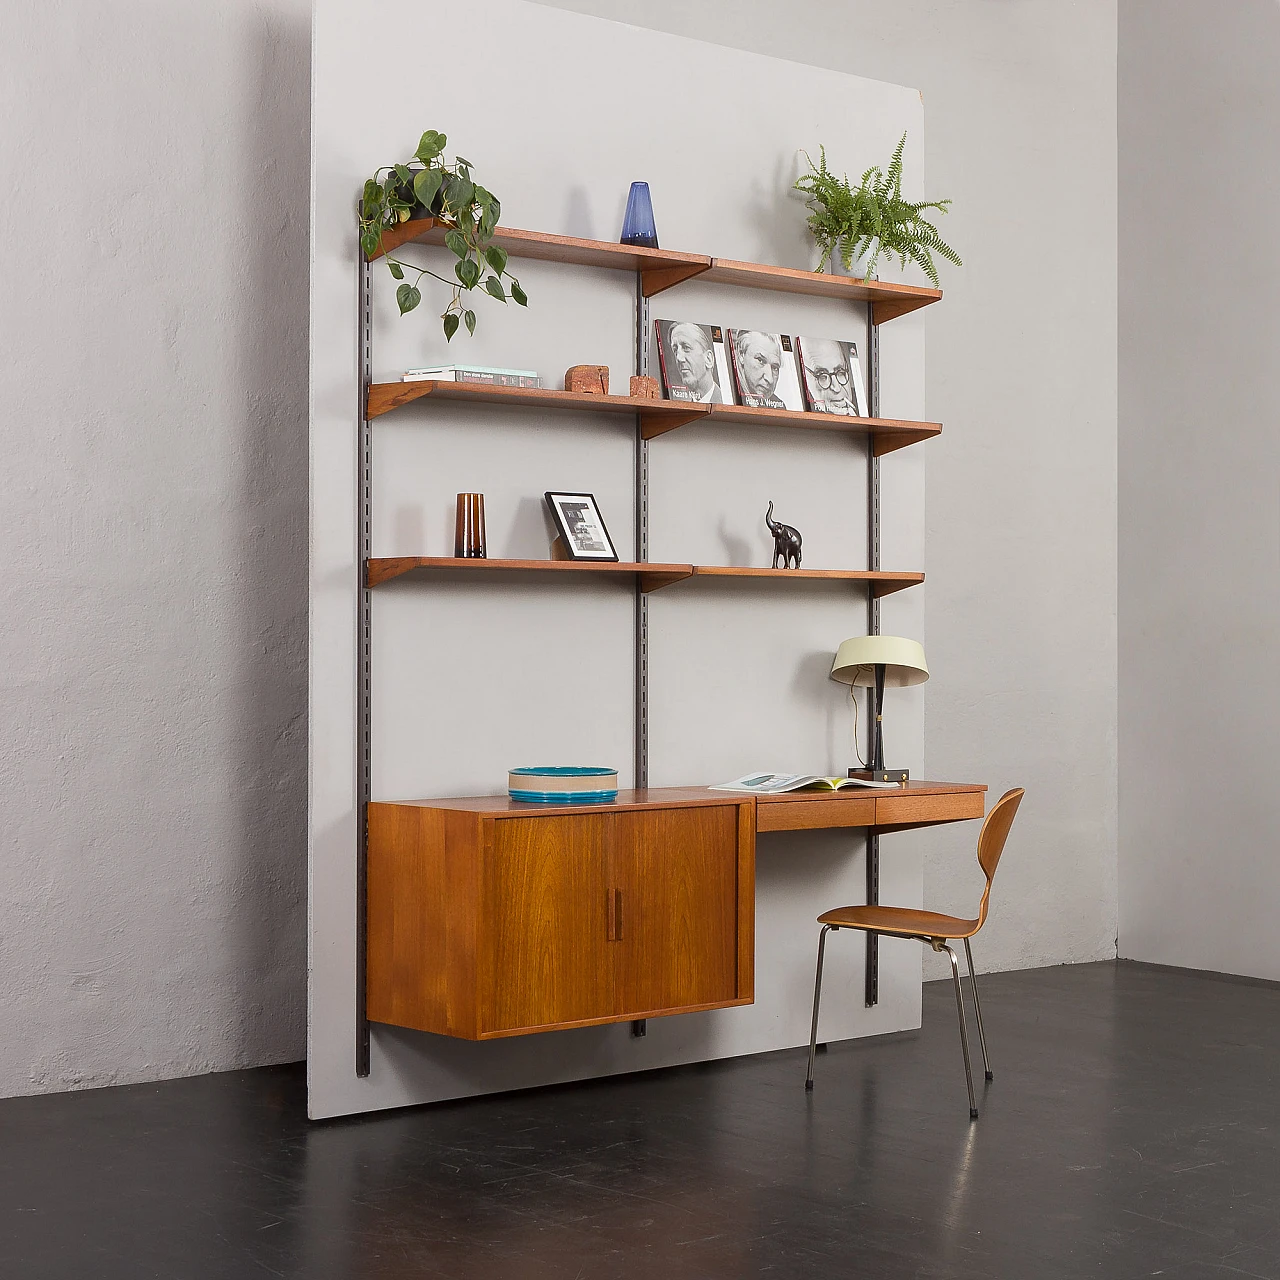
484, 921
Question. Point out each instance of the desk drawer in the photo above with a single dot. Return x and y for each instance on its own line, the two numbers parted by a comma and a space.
814, 815
901, 810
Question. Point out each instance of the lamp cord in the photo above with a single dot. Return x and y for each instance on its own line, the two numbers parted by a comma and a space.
853, 697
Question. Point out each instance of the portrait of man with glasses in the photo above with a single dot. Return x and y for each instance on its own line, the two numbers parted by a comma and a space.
832, 377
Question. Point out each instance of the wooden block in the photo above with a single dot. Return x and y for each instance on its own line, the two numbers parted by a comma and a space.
590, 378
643, 388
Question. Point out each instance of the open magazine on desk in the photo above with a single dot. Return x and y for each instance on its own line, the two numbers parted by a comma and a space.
772, 784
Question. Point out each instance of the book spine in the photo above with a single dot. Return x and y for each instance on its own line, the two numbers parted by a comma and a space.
498, 379
662, 362
809, 403
743, 397
471, 375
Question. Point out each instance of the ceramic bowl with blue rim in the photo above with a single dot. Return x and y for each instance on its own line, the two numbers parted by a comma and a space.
563, 784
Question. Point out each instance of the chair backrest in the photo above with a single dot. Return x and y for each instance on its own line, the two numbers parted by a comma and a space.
995, 831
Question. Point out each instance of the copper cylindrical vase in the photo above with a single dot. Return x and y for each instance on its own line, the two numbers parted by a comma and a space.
468, 529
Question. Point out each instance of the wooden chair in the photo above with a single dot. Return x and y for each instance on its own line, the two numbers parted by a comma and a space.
931, 928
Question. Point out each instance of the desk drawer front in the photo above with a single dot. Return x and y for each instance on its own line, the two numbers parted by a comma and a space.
810, 815
896, 810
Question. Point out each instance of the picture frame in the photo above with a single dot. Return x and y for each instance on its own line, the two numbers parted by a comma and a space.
580, 525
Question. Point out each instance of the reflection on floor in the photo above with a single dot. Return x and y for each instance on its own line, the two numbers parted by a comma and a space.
1131, 1130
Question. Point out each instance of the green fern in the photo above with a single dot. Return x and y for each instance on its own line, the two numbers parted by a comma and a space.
872, 218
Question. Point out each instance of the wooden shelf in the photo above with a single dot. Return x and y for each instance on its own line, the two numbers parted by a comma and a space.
882, 582
887, 434
659, 269
888, 301
651, 576
657, 417
382, 397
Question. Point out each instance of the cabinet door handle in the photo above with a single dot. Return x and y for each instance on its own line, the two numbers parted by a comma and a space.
617, 915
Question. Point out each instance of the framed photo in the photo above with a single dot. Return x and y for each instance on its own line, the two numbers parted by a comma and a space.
581, 526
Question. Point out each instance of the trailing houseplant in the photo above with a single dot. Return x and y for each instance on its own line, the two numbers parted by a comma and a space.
448, 193
872, 218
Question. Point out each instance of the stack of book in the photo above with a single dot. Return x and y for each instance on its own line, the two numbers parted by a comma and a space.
474, 373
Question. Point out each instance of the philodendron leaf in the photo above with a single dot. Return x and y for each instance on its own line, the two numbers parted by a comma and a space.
496, 257
407, 297
450, 326
431, 145
490, 210
494, 287
458, 191
518, 293
402, 172
469, 318
467, 272
395, 268
369, 243
426, 185
456, 243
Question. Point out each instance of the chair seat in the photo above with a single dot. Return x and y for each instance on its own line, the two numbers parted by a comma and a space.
900, 920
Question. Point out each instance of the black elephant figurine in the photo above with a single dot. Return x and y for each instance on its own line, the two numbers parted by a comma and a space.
786, 542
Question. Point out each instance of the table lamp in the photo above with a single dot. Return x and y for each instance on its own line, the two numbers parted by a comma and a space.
873, 662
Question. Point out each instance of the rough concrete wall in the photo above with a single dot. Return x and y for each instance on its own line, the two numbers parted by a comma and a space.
1020, 107
1200, 470
153, 635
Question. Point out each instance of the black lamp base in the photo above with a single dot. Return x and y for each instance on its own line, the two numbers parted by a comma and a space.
881, 775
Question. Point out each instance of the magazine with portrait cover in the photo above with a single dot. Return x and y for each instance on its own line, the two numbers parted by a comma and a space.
764, 369
694, 363
832, 377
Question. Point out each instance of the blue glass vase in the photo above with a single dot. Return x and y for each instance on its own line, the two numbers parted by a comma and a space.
637, 225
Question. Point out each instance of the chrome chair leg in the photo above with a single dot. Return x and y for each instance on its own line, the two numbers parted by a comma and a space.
964, 1031
817, 996
977, 1008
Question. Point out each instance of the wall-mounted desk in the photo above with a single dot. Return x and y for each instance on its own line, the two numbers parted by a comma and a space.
490, 918
918, 804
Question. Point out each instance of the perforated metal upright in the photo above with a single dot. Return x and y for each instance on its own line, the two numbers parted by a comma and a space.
872, 992
364, 737
641, 763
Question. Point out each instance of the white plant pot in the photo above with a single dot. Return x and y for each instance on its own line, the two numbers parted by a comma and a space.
857, 268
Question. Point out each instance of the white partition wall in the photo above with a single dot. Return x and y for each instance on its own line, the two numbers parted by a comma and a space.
559, 114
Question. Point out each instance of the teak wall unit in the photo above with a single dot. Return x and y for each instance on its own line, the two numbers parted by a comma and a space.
441, 972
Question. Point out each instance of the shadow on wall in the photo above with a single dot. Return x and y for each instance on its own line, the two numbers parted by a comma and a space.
269, 930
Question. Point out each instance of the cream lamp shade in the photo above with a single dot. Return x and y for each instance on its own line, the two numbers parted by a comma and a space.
858, 657
877, 661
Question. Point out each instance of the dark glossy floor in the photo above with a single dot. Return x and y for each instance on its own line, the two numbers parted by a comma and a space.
1133, 1129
